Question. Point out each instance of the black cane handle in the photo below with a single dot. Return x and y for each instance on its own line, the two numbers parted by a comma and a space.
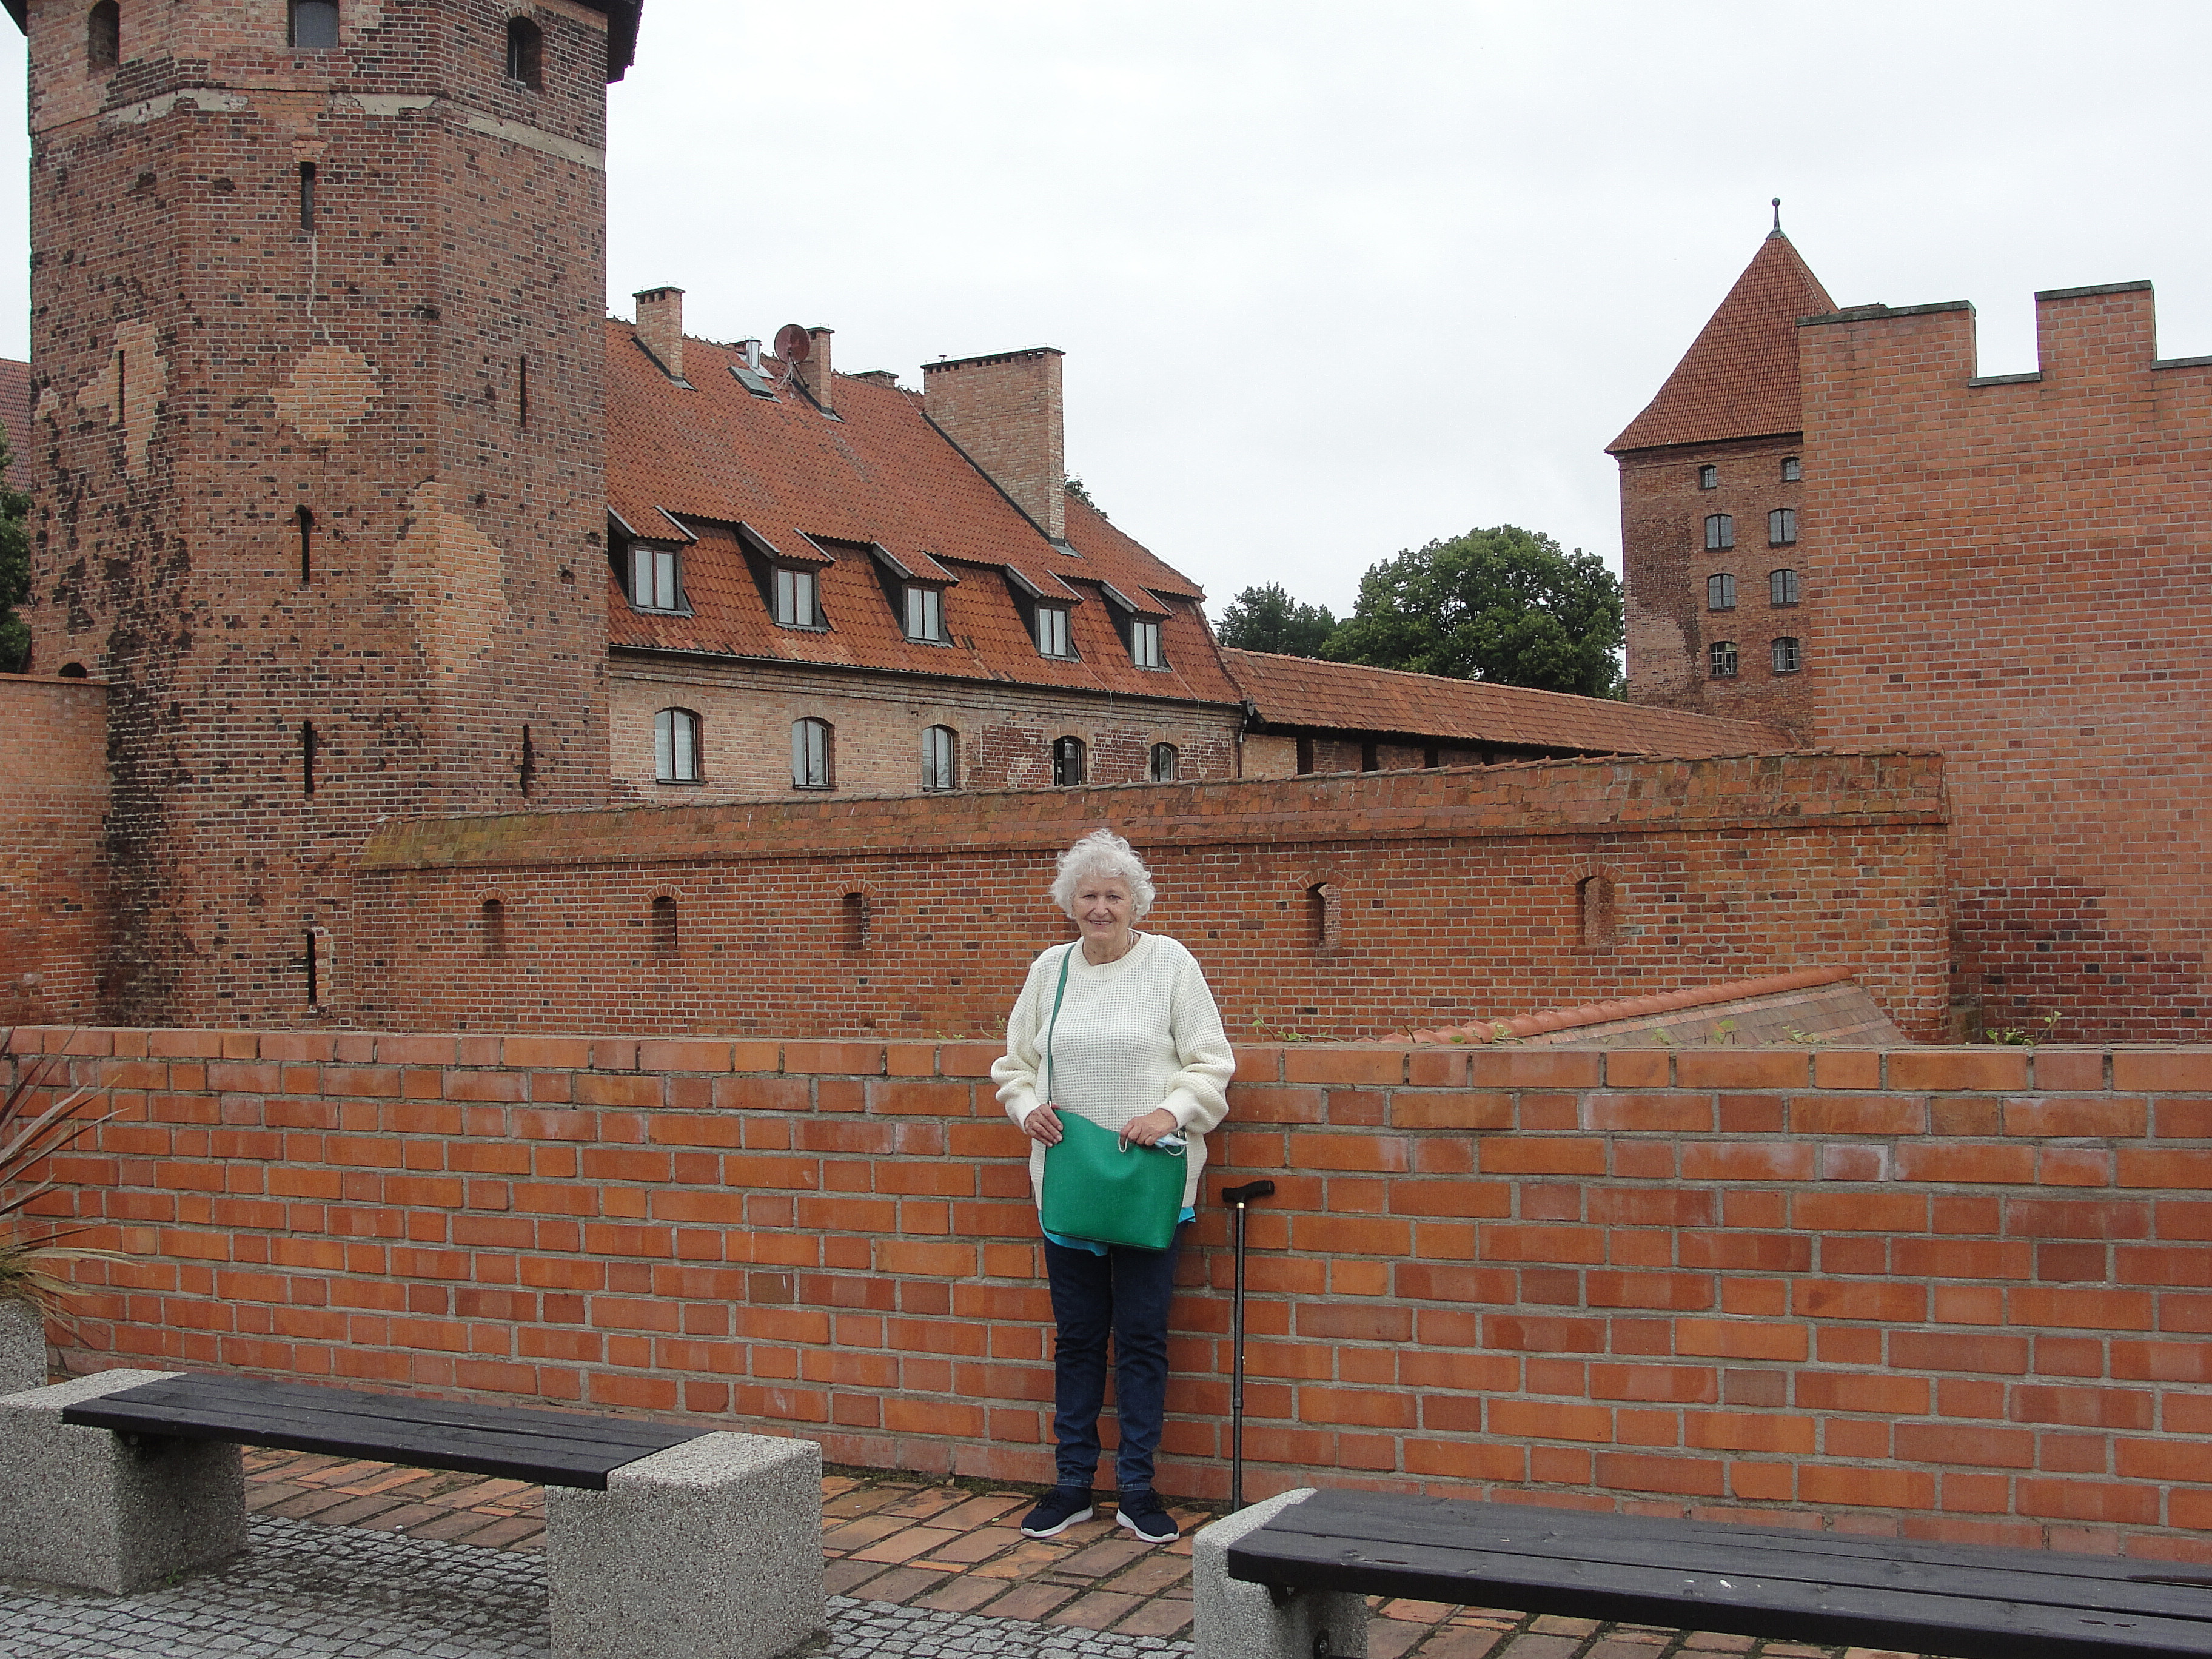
1248, 1192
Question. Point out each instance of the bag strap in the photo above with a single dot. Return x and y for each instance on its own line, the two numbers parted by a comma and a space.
1052, 1070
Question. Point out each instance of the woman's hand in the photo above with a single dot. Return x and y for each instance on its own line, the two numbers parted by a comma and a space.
1043, 1125
1145, 1130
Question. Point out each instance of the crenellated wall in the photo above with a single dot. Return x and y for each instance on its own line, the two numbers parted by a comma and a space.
1954, 1294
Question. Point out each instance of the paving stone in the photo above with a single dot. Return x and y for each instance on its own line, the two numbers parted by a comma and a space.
1032, 1600
1157, 1572
968, 1549
1457, 1641
1098, 1610
960, 1593
1105, 1556
904, 1585
905, 1546
1161, 1616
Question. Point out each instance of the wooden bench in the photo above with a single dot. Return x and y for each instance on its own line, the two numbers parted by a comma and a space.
1316, 1559
659, 1540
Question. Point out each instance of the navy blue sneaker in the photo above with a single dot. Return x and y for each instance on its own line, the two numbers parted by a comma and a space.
1067, 1506
1140, 1512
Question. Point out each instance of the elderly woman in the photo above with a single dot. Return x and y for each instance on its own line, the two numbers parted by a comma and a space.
1137, 1048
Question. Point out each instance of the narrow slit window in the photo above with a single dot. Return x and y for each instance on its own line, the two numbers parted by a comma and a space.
1720, 592
306, 195
1325, 915
666, 941
812, 756
306, 519
103, 36
853, 920
939, 758
1593, 907
526, 771
522, 392
314, 23
122, 385
309, 742
525, 53
492, 929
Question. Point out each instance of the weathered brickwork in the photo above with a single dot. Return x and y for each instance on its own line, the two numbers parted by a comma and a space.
1674, 617
53, 794
1947, 1293
2016, 572
1003, 735
1347, 906
293, 501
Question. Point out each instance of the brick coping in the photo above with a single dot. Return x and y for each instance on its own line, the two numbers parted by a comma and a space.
1604, 1013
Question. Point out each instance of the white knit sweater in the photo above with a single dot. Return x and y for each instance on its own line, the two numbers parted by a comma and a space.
1133, 1034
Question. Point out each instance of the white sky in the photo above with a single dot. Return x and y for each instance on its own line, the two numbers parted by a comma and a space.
1335, 279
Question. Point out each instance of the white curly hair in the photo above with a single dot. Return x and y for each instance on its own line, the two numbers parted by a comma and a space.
1101, 852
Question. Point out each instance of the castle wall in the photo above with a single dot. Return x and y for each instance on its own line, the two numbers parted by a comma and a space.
212, 362
1005, 734
1953, 1294
1342, 905
53, 798
2016, 571
1671, 621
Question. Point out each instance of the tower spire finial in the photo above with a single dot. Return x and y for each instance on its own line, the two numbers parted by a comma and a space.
1777, 216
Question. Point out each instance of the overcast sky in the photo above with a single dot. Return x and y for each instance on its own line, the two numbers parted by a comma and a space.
1336, 279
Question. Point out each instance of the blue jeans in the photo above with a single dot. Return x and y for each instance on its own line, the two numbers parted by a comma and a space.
1124, 1293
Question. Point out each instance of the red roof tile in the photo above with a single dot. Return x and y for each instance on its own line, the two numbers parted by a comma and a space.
16, 413
1739, 378
1303, 691
817, 489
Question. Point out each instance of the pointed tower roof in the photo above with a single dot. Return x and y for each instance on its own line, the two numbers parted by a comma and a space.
1739, 378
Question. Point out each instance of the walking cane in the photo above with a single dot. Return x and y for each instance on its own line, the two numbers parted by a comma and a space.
1240, 1196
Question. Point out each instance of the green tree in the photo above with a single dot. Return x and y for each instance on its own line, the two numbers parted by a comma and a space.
1268, 619
1505, 605
15, 571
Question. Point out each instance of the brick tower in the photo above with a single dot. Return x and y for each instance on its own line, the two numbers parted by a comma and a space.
1711, 479
317, 293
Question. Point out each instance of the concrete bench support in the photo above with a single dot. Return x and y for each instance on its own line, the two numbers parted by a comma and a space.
1232, 1620
88, 1509
711, 1549
22, 1348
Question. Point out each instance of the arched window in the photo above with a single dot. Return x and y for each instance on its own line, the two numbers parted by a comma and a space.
1781, 526
675, 746
940, 754
314, 23
1324, 914
1066, 762
813, 755
1788, 658
1166, 762
666, 942
493, 925
1720, 531
525, 53
1594, 904
1709, 477
1720, 659
1782, 587
103, 36
1793, 469
1720, 592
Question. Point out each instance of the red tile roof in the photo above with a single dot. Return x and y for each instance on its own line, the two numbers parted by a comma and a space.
1302, 691
717, 455
16, 413
1739, 378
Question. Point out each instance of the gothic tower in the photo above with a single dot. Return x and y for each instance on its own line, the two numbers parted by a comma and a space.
317, 289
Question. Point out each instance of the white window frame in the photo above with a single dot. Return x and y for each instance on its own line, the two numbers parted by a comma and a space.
656, 578
798, 598
813, 754
925, 613
940, 758
1055, 632
675, 746
1144, 643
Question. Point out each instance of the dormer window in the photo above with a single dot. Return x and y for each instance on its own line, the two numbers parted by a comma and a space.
655, 578
1051, 636
797, 604
925, 614
1145, 644
314, 23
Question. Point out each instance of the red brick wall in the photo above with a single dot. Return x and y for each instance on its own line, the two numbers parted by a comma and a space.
1670, 623
53, 796
205, 366
1455, 898
2017, 574
1953, 1293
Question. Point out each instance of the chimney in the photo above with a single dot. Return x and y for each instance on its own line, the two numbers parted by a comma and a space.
815, 370
1005, 410
660, 325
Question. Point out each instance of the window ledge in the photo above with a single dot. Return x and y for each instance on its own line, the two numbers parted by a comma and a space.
678, 783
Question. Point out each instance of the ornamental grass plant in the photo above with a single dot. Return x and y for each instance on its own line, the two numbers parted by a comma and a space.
34, 1259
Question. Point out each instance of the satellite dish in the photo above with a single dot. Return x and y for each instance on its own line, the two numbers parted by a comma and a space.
793, 342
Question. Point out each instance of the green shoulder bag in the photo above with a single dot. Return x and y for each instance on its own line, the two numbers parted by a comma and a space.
1095, 1187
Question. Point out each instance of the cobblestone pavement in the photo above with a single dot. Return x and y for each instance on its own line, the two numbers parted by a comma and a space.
367, 1559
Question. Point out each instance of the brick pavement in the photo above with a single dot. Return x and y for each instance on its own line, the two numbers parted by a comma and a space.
954, 1548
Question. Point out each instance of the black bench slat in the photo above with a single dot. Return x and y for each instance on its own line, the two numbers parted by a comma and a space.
1542, 1560
547, 1447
